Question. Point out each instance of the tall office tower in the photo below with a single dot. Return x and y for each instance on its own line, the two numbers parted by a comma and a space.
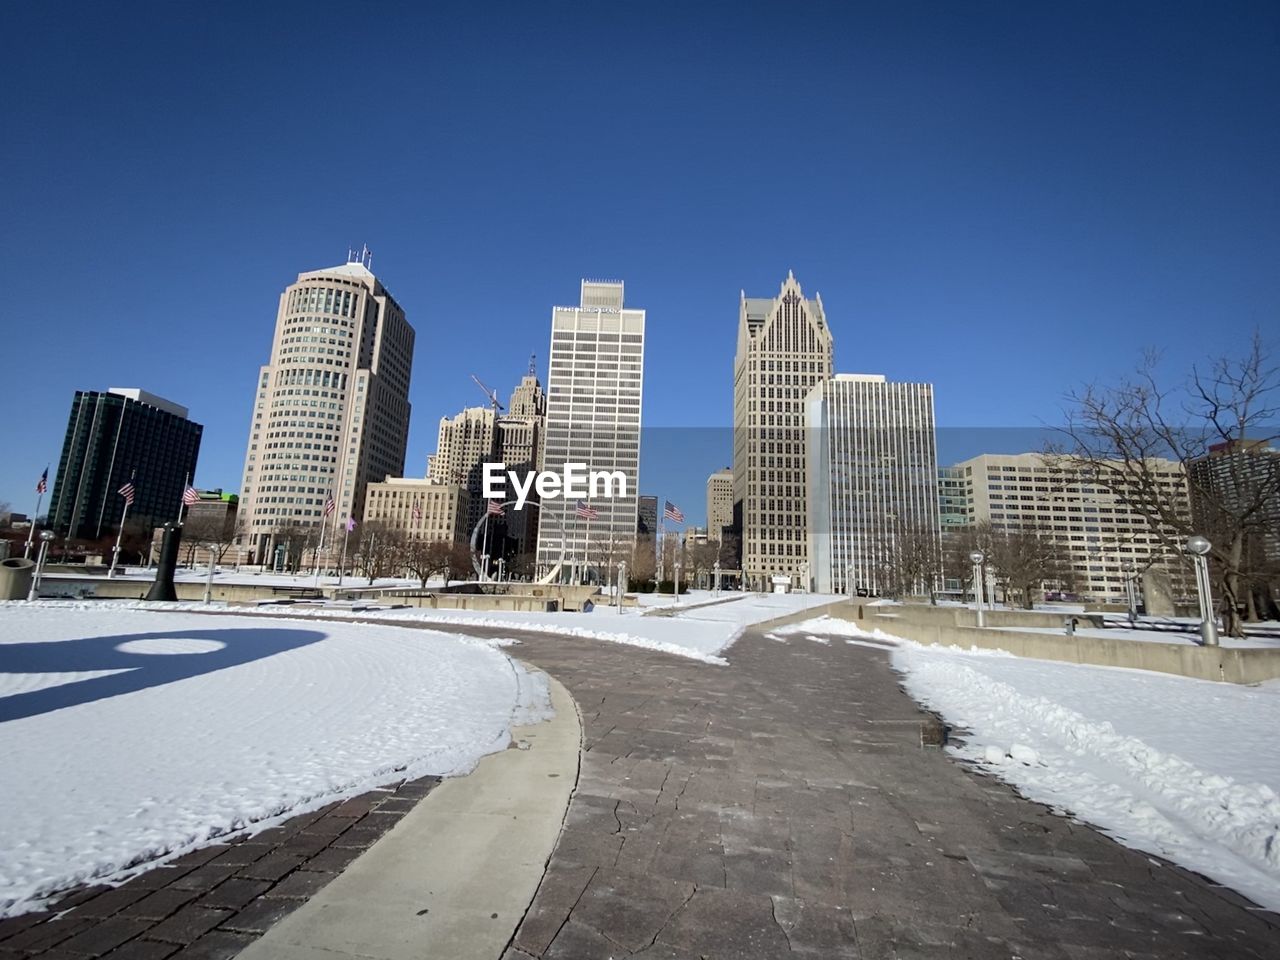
465, 443
784, 351
873, 482
647, 518
331, 413
594, 384
1237, 485
719, 503
113, 438
520, 432
1098, 529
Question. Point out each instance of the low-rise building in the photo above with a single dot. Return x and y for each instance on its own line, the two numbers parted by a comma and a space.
419, 509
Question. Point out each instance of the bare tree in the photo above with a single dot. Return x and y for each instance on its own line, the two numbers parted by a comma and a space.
910, 560
380, 550
1212, 425
425, 558
643, 565
700, 558
1025, 558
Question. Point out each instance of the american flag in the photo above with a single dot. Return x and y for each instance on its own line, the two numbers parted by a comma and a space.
43, 485
495, 509
672, 513
328, 506
190, 496
417, 510
586, 511
127, 491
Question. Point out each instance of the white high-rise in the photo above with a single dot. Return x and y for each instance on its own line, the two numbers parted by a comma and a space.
331, 411
873, 480
595, 382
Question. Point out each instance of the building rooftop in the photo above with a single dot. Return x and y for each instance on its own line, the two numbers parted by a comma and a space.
150, 399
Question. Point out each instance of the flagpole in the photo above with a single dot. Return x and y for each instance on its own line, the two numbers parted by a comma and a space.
484, 550
318, 549
586, 546
662, 537
346, 530
182, 500
115, 554
31, 532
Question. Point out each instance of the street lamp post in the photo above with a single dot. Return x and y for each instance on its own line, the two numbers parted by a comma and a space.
677, 585
622, 582
1199, 548
45, 537
1131, 596
715, 572
976, 558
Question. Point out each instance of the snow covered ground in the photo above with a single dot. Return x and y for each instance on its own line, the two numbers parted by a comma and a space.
1186, 769
1153, 636
698, 632
129, 735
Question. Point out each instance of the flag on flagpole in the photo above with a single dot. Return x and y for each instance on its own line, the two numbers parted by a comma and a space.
328, 506
128, 491
351, 524
417, 510
495, 509
586, 511
43, 484
190, 495
672, 513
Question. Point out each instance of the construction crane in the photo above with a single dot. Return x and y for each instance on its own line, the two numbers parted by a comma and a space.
491, 394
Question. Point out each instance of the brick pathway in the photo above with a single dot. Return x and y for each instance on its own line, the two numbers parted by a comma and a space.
784, 806
211, 903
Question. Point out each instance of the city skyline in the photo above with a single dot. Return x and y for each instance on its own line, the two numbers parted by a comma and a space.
1028, 199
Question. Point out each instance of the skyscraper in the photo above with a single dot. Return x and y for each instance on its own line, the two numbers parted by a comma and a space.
520, 434
873, 484
719, 503
113, 438
465, 443
784, 350
331, 411
594, 384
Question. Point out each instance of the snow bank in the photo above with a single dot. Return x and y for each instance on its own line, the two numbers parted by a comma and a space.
698, 632
1185, 769
129, 736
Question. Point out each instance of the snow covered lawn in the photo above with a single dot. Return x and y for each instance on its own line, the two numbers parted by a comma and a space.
130, 735
1186, 769
698, 632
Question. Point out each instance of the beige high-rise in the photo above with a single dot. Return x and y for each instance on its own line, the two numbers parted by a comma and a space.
784, 351
465, 443
331, 413
719, 503
1098, 530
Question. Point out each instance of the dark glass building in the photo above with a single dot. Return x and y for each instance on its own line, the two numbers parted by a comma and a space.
113, 438
646, 516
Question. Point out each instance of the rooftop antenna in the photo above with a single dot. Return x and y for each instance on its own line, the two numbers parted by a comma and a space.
533, 364
366, 257
491, 394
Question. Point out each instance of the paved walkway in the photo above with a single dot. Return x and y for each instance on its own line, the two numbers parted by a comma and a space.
781, 806
214, 902
784, 806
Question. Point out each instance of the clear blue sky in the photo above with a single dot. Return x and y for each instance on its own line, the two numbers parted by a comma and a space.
1003, 198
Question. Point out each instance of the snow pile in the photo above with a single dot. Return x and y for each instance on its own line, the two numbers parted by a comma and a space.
129, 736
1186, 769
830, 627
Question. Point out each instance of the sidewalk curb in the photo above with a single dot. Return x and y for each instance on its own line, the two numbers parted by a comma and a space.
455, 877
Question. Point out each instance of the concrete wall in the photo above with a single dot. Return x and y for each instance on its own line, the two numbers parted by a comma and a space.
1232, 665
